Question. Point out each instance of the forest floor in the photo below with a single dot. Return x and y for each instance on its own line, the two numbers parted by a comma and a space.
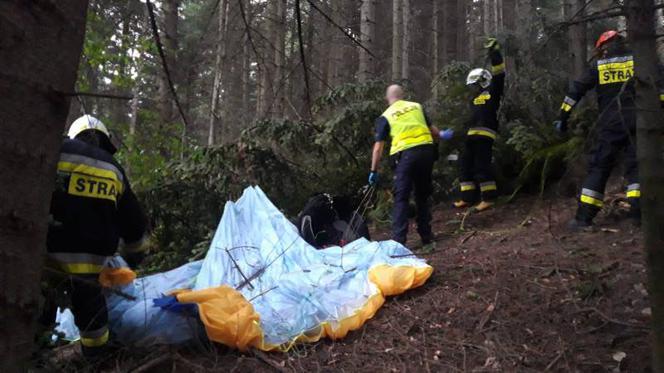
513, 291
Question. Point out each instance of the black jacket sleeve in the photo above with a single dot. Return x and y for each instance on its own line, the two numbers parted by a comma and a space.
132, 220
498, 71
577, 90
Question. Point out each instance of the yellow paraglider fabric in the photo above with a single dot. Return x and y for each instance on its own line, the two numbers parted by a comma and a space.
228, 317
110, 277
231, 320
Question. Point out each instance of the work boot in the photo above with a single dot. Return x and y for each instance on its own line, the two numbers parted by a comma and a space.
576, 225
461, 204
483, 206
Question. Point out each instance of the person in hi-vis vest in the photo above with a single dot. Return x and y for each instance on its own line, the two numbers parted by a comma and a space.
412, 153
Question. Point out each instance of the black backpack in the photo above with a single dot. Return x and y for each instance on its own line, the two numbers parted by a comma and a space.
326, 221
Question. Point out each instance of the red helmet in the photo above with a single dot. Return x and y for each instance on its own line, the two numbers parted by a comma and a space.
606, 37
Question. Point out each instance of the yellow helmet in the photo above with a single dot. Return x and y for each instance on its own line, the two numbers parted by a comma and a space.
85, 123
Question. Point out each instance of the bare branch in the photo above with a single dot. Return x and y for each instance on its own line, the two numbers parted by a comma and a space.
160, 49
348, 34
99, 95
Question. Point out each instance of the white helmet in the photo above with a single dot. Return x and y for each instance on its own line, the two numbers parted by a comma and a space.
479, 76
87, 122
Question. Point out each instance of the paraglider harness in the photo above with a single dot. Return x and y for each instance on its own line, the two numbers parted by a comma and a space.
328, 220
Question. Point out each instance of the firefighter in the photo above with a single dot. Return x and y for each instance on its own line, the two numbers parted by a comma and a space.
92, 210
476, 180
610, 75
412, 156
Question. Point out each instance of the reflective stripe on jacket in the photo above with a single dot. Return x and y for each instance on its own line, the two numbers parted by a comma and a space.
92, 208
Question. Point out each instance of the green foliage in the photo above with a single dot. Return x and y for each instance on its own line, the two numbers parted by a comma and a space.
146, 153
289, 160
449, 104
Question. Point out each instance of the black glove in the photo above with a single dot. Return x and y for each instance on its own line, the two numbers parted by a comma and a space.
134, 259
560, 126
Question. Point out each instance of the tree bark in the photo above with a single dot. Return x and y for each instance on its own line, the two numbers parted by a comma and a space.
435, 47
650, 139
119, 107
462, 42
280, 28
336, 42
41, 47
407, 13
169, 37
366, 69
508, 11
578, 40
486, 17
397, 36
218, 69
246, 73
134, 113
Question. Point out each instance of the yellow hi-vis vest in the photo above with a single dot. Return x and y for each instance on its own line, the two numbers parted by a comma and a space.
408, 127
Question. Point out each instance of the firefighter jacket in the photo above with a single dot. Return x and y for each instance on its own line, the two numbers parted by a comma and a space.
92, 208
611, 77
484, 107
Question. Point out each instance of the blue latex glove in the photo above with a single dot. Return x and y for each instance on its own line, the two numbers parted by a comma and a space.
373, 178
560, 125
446, 134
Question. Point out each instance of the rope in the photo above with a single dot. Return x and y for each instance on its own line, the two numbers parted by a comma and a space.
363, 205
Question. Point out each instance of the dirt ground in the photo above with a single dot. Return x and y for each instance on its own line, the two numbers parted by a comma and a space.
512, 291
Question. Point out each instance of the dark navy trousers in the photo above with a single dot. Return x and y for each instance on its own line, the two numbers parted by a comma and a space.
412, 171
612, 140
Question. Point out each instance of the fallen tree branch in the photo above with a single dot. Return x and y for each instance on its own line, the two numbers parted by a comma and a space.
554, 361
611, 320
237, 266
263, 293
264, 358
148, 367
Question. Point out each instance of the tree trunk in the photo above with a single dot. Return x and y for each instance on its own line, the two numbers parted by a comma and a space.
397, 38
218, 69
650, 139
169, 37
435, 47
407, 12
134, 113
246, 75
119, 107
486, 17
280, 27
337, 40
577, 39
41, 47
496, 18
508, 15
462, 42
366, 69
